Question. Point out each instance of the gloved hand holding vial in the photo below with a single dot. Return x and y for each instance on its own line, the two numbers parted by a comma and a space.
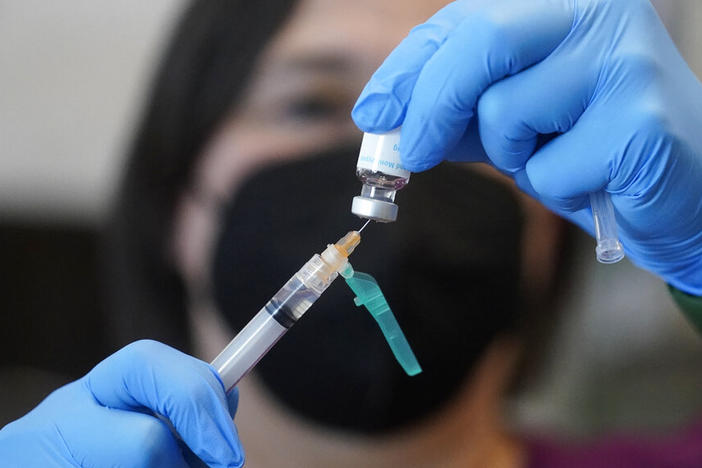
487, 81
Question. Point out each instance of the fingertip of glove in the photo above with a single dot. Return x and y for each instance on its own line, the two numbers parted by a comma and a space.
233, 401
216, 375
420, 163
232, 456
376, 113
524, 184
239, 457
573, 205
236, 461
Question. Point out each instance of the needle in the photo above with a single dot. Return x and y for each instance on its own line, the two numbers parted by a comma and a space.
364, 226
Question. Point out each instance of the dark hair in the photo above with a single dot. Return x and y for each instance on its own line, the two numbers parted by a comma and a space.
210, 56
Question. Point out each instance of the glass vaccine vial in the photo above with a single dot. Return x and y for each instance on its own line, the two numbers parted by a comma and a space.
380, 170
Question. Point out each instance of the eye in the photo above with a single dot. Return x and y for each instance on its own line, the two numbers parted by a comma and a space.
313, 108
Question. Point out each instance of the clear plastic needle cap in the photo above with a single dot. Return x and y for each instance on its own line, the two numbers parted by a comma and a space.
368, 294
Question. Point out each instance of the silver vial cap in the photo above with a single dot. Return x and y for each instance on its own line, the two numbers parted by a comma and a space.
377, 210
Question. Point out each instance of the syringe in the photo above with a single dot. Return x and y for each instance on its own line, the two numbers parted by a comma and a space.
282, 311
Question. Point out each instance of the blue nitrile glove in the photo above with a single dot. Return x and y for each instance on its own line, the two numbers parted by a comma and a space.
603, 74
107, 417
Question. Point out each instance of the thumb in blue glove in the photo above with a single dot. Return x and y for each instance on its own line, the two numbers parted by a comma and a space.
112, 416
482, 80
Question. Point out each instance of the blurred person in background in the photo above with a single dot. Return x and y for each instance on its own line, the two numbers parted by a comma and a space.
272, 179
197, 199
249, 107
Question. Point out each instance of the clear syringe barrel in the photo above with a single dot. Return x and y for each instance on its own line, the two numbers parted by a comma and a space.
282, 312
247, 348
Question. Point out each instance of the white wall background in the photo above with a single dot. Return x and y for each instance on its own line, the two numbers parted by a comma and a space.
72, 79
684, 20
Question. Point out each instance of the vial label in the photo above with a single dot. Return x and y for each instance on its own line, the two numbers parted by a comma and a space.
380, 153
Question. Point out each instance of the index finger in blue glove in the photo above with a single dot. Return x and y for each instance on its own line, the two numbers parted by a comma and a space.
184, 390
70, 428
128, 438
233, 401
383, 102
488, 45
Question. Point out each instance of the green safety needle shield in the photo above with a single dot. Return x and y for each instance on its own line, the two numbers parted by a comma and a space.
368, 294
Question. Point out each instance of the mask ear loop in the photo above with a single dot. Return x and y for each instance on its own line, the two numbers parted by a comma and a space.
368, 294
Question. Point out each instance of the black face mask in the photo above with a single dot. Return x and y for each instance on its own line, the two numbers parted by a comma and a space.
449, 268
